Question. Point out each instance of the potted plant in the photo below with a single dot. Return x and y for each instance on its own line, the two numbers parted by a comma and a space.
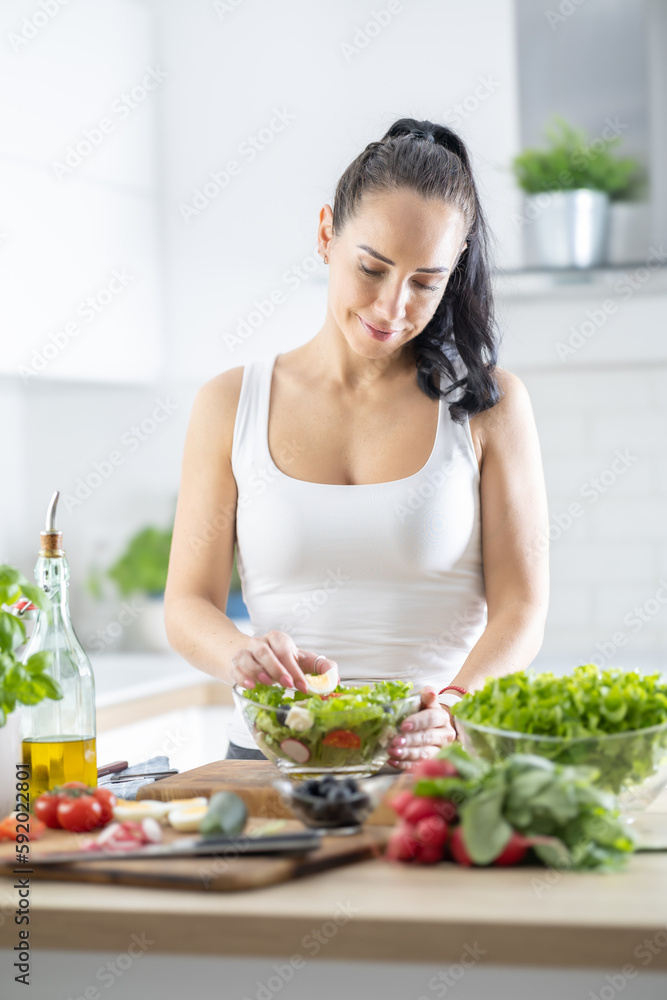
20, 683
142, 570
569, 187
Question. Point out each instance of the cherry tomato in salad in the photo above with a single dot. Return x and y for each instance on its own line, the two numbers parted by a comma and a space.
342, 738
80, 814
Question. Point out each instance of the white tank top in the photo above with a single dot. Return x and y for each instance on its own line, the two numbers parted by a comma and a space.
384, 578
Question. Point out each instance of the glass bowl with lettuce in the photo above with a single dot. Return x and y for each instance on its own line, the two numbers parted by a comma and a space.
612, 720
346, 731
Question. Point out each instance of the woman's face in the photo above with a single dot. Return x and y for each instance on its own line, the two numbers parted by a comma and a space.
379, 268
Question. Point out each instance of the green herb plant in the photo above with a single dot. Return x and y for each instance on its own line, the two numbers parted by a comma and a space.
21, 683
571, 163
615, 720
573, 824
142, 569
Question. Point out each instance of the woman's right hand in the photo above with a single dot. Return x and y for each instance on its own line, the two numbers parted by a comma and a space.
276, 657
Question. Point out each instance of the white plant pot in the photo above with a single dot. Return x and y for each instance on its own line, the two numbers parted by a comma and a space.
10, 756
567, 229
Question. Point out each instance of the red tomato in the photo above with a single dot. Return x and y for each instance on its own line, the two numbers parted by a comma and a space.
107, 800
8, 828
343, 738
46, 808
80, 814
76, 784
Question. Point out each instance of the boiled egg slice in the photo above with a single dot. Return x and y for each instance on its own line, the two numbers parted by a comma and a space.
186, 819
323, 683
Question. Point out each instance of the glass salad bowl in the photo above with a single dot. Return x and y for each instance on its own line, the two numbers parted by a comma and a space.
631, 764
345, 732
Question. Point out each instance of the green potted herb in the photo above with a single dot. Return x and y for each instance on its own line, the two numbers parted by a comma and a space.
141, 572
569, 187
20, 683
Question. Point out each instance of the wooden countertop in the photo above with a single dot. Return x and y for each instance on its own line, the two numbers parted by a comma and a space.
377, 910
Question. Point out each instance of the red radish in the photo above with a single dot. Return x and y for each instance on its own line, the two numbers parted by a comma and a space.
400, 802
457, 847
420, 807
295, 749
434, 767
446, 808
432, 831
430, 854
513, 851
403, 845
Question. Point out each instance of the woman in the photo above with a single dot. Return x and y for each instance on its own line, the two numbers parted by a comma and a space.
383, 480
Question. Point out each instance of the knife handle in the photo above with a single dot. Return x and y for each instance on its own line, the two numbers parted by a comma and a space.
118, 765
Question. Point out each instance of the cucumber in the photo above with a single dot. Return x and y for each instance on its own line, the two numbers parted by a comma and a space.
227, 815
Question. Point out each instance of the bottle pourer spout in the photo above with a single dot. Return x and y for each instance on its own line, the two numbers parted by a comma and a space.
51, 538
51, 512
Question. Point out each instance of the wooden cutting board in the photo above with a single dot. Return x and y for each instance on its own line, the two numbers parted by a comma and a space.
251, 780
221, 873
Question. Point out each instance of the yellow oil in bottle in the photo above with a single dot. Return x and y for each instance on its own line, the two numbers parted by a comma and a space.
52, 762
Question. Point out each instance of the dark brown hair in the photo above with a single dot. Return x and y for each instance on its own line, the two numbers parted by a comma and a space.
433, 161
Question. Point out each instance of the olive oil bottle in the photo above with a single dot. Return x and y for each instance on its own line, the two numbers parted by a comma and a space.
58, 737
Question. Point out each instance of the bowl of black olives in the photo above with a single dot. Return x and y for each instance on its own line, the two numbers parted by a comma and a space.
337, 805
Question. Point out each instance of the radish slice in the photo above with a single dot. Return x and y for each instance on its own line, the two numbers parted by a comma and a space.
295, 749
152, 830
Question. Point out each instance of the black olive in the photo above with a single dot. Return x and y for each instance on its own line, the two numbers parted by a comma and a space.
386, 708
281, 716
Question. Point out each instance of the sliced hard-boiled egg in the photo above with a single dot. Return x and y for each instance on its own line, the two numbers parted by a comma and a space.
186, 819
323, 683
299, 719
151, 808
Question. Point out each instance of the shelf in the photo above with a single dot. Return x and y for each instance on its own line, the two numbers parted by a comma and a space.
619, 280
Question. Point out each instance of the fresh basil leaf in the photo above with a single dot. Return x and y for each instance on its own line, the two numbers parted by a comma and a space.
50, 687
38, 662
38, 597
12, 632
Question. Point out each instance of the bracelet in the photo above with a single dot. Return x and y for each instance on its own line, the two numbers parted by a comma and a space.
453, 687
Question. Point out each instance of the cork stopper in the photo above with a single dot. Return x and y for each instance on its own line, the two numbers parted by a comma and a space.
51, 540
51, 543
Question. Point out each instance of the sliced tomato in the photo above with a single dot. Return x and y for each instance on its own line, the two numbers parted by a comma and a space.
8, 828
81, 814
342, 738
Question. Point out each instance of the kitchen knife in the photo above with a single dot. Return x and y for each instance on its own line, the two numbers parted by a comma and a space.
284, 843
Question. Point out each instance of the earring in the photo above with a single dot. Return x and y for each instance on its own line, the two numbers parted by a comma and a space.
326, 259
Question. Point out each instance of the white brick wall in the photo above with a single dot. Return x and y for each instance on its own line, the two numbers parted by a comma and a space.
610, 560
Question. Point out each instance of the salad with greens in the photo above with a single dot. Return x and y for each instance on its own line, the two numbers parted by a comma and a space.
347, 729
614, 720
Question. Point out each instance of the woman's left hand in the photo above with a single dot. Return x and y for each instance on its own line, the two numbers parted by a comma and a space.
422, 734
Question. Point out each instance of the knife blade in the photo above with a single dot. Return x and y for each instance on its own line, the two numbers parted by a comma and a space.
284, 843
